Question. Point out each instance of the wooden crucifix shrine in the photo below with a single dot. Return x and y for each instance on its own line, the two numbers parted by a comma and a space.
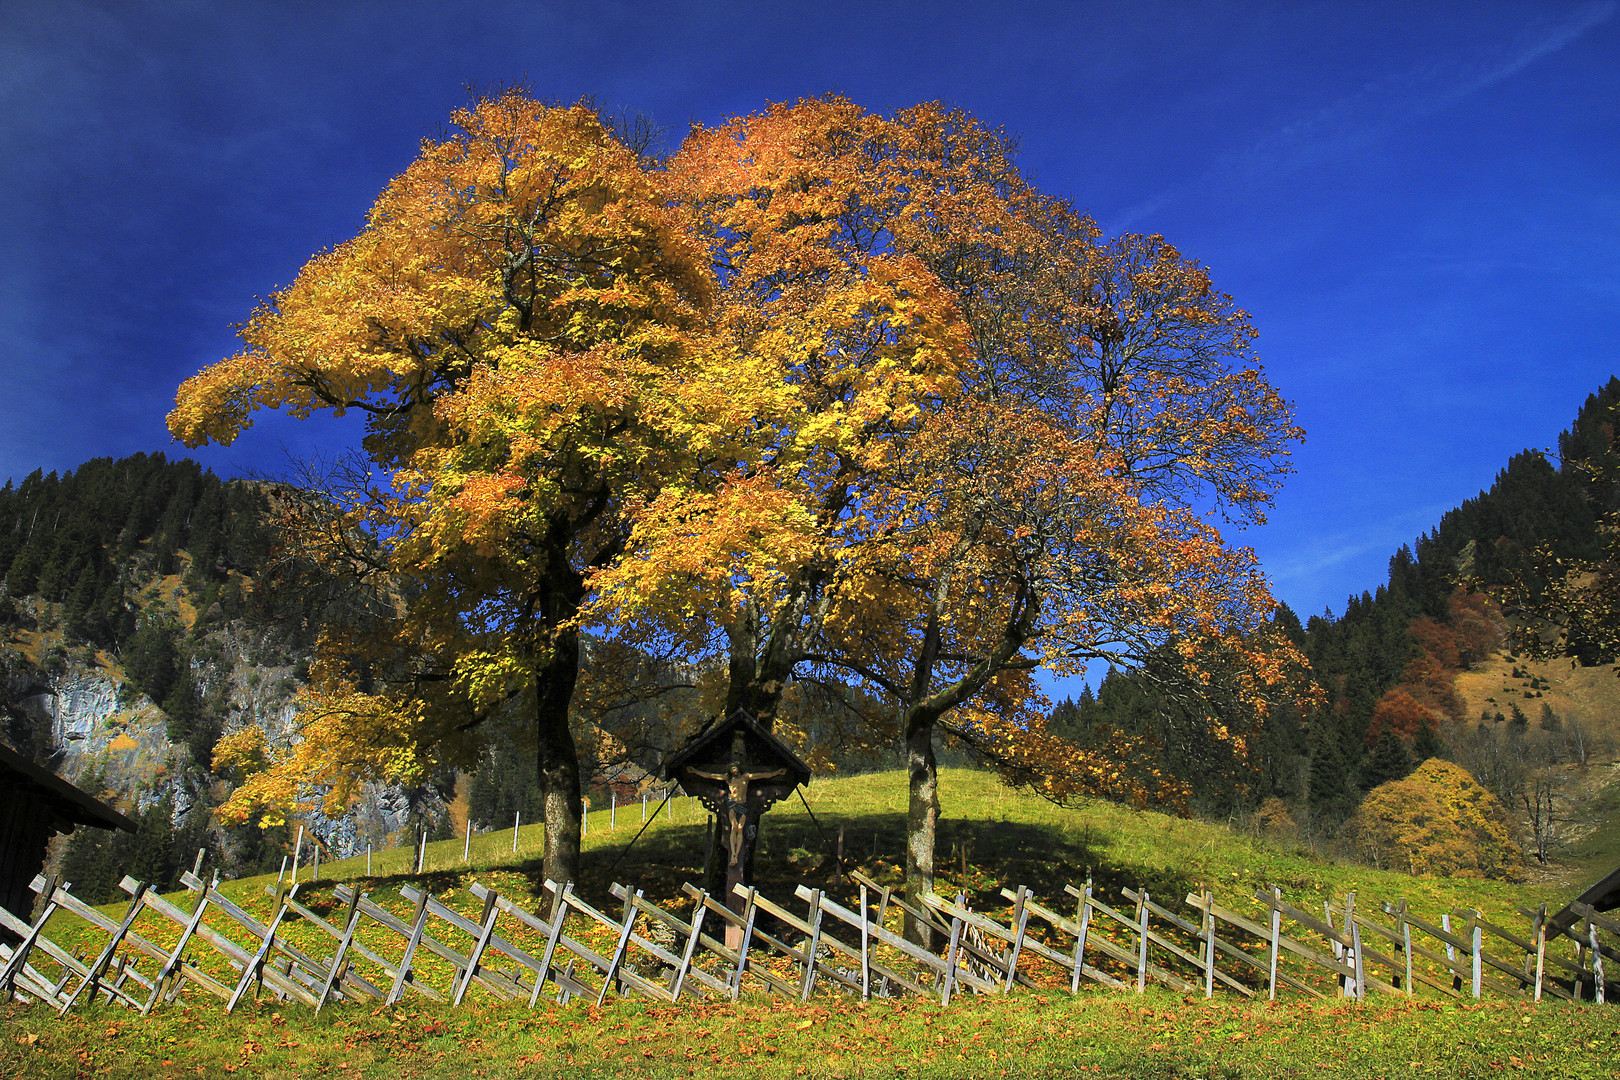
738, 770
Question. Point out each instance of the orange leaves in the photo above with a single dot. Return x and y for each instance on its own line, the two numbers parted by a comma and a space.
699, 553
1437, 821
843, 390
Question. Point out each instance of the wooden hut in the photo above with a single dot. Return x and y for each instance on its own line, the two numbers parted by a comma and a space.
35, 804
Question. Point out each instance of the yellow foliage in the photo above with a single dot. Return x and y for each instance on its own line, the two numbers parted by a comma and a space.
1438, 820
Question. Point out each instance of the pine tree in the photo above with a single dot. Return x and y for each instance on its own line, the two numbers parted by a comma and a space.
90, 865
1390, 760
152, 857
1329, 792
1427, 744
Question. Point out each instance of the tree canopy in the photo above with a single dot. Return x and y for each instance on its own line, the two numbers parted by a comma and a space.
837, 397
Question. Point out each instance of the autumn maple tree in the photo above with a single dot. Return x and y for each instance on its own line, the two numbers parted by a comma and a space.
994, 435
518, 321
828, 399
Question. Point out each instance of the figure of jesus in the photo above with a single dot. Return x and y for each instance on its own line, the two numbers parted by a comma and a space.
736, 781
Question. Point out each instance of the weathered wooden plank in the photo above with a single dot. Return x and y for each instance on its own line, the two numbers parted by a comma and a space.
612, 968
346, 896
217, 941
686, 963
339, 964
285, 982
503, 986
802, 955
400, 975
1310, 922
894, 941
171, 965
92, 977
19, 954
1440, 934
1254, 929
750, 931
1064, 925
256, 962
1164, 913
984, 924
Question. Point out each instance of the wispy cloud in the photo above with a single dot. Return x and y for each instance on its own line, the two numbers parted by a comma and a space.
1375, 111
1300, 570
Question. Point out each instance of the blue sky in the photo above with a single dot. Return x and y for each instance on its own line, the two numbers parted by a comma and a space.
1419, 204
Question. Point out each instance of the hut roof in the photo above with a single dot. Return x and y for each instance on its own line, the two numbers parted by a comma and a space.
64, 800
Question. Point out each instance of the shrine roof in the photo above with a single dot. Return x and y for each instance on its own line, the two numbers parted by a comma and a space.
717, 737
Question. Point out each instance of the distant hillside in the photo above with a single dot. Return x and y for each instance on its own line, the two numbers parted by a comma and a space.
1416, 666
147, 608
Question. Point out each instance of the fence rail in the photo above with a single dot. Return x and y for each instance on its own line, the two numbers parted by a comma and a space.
874, 943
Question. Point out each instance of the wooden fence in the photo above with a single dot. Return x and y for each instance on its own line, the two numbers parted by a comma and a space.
363, 948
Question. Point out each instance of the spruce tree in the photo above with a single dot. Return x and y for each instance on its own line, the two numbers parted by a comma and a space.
152, 858
1427, 744
1390, 760
1329, 794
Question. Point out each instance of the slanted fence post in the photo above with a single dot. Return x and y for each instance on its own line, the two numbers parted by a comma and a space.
173, 964
1338, 949
1276, 938
751, 913
1541, 946
949, 982
92, 980
335, 971
1406, 945
1209, 944
808, 981
418, 924
559, 911
1355, 946
1142, 930
866, 950
1020, 923
1475, 933
1597, 960
625, 930
1083, 917
1451, 950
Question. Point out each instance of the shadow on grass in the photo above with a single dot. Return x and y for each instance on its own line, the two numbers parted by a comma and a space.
975, 856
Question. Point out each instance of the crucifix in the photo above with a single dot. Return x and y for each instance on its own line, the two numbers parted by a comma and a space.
738, 770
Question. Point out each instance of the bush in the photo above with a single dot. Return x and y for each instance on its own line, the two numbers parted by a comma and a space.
1439, 820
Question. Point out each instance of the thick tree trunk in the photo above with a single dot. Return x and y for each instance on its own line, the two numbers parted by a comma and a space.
922, 823
558, 759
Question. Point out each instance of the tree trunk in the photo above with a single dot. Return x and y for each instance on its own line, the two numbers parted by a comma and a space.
558, 759
922, 823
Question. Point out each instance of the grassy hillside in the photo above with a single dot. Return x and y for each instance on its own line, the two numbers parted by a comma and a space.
990, 835
1586, 696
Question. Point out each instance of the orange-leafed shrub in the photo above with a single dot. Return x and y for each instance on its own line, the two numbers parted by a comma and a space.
1439, 820
1400, 712
1275, 821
